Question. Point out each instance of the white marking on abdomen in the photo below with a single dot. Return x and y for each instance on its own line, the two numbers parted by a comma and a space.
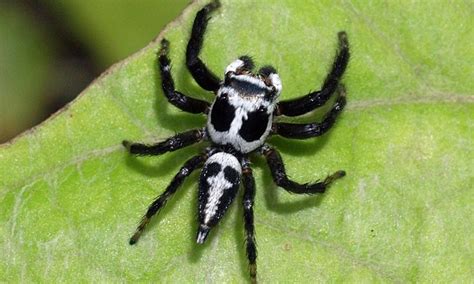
217, 185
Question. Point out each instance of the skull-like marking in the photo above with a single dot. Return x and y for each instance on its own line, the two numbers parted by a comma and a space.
219, 183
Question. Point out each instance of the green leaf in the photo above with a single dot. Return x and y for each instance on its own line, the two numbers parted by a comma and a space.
71, 196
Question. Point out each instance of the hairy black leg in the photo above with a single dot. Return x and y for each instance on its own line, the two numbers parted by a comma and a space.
161, 200
277, 168
248, 200
203, 76
308, 130
176, 98
313, 100
171, 144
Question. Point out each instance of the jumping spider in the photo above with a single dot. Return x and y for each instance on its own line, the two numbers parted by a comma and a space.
238, 122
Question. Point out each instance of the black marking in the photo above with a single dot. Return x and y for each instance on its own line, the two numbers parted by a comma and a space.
222, 114
212, 169
231, 175
254, 127
246, 88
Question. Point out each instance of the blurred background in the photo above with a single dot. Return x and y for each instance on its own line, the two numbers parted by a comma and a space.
50, 50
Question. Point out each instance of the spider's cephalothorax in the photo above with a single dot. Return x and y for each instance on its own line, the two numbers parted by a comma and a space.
240, 119
241, 115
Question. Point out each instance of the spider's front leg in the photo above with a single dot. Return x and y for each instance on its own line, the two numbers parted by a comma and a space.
313, 100
161, 200
278, 171
201, 74
176, 98
308, 130
171, 144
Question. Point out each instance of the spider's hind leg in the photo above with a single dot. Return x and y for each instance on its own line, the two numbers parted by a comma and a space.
248, 202
161, 200
174, 143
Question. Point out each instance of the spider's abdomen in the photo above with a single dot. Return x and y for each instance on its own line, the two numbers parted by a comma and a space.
243, 122
218, 186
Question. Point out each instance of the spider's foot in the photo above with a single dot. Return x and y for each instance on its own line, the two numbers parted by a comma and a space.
212, 5
133, 240
343, 38
333, 177
127, 144
165, 47
253, 273
139, 231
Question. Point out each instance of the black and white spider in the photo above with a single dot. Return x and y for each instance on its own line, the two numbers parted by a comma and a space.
238, 122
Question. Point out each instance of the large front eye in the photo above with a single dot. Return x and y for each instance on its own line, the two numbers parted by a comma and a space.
269, 95
224, 96
228, 78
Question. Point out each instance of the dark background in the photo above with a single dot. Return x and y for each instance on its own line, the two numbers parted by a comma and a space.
50, 50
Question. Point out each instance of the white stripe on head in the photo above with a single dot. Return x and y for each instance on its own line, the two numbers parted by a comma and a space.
251, 79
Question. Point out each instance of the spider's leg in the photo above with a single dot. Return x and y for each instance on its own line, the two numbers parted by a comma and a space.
161, 200
308, 130
203, 76
313, 100
176, 98
277, 169
248, 200
171, 144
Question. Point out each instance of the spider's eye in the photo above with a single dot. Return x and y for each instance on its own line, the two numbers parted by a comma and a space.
270, 95
224, 96
227, 78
